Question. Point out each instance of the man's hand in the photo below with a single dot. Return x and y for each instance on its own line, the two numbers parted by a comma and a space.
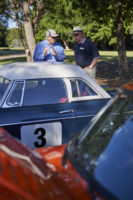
45, 51
89, 67
94, 61
54, 52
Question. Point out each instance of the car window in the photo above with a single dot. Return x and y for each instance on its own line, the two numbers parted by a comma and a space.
16, 94
45, 91
4, 83
80, 88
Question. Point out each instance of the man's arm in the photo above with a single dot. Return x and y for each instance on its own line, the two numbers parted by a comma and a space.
95, 55
39, 52
94, 61
59, 51
54, 51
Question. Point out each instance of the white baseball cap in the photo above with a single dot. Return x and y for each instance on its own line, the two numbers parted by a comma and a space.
51, 33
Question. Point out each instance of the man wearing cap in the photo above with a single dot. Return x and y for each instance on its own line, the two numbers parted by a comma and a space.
86, 53
49, 50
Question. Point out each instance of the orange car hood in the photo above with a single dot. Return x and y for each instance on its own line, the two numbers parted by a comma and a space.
67, 174
24, 174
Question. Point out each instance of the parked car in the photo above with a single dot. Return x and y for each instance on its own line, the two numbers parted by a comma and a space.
42, 104
102, 154
97, 164
25, 175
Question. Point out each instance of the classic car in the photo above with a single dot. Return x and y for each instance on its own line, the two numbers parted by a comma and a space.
102, 154
97, 164
43, 104
24, 175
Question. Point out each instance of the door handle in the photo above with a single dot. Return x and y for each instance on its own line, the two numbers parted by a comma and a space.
66, 111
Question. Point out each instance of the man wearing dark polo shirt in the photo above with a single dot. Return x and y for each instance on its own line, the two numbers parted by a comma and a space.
86, 53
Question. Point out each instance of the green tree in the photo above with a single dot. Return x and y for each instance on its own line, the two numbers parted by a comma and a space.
3, 22
3, 33
11, 35
27, 14
121, 14
61, 16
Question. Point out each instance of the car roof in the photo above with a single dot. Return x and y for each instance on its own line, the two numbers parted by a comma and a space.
36, 70
31, 70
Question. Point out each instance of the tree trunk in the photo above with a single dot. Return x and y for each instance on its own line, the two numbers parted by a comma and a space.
66, 46
24, 43
28, 28
120, 32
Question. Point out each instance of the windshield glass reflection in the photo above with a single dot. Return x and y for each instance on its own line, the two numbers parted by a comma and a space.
106, 151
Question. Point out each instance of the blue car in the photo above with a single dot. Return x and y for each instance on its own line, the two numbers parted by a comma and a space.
43, 104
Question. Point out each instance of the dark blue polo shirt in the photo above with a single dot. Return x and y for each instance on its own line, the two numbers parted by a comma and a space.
85, 52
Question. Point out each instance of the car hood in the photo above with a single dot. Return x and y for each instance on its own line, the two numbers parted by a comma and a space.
25, 175
66, 173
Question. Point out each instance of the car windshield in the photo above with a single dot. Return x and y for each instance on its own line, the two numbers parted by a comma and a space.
106, 151
4, 83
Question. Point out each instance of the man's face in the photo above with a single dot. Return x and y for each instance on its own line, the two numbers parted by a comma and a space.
78, 37
51, 40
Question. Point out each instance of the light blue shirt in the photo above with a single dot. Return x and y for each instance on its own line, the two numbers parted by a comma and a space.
50, 57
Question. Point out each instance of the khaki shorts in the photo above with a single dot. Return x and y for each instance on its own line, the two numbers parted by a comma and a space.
91, 72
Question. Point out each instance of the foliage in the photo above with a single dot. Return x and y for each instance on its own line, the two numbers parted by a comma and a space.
3, 33
11, 35
96, 18
98, 22
3, 13
60, 17
3, 22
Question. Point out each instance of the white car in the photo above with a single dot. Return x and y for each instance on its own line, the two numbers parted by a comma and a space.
42, 104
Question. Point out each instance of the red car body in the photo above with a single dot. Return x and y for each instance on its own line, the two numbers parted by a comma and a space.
66, 173
25, 175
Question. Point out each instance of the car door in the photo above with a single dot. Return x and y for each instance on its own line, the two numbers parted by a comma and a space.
86, 101
38, 112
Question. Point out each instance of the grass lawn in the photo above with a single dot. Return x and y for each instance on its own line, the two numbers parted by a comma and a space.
105, 55
113, 55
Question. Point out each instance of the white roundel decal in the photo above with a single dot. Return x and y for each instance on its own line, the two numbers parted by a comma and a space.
42, 135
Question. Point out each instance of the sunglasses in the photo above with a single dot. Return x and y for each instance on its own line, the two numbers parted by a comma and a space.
75, 35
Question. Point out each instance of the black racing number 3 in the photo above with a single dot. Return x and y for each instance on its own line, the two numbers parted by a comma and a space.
42, 140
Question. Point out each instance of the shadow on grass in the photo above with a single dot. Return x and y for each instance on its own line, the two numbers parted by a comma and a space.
108, 73
69, 59
109, 58
4, 52
11, 60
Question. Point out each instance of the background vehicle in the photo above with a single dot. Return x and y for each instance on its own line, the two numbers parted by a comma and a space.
42, 104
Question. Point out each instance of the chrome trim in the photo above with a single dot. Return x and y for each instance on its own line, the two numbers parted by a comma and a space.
8, 105
84, 98
23, 89
99, 95
56, 119
2, 101
66, 111
67, 88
